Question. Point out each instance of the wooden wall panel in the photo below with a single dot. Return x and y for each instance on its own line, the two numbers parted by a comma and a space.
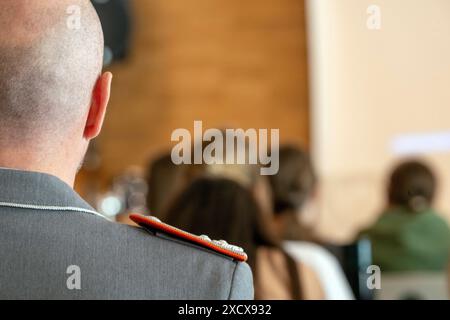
229, 63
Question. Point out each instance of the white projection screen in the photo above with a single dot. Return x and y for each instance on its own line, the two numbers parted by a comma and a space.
378, 95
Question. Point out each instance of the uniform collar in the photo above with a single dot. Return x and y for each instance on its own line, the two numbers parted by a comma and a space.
39, 191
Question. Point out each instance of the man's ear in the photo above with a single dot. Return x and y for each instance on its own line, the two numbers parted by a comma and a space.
97, 110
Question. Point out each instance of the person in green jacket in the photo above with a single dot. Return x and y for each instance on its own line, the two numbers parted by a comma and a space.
410, 235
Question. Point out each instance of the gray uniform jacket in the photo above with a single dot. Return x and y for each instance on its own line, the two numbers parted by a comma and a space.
53, 245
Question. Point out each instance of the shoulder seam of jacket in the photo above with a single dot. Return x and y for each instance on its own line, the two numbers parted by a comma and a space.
232, 279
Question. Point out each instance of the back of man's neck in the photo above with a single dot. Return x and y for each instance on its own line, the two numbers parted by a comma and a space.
27, 161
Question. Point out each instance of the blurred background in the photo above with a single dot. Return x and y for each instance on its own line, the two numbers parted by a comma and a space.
359, 84
228, 63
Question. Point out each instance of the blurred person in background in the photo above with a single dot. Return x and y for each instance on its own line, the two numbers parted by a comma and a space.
164, 178
410, 235
167, 179
294, 190
53, 101
224, 209
294, 218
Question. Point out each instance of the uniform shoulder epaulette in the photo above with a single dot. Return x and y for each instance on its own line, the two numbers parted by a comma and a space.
220, 246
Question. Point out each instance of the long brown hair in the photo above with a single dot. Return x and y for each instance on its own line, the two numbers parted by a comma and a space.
224, 209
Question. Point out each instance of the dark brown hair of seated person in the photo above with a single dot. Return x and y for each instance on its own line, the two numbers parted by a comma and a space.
162, 178
412, 185
295, 181
223, 209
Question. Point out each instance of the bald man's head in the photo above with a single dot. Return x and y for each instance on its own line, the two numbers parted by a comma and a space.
49, 65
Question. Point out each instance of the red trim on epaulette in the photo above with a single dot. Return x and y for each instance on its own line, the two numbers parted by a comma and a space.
148, 222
